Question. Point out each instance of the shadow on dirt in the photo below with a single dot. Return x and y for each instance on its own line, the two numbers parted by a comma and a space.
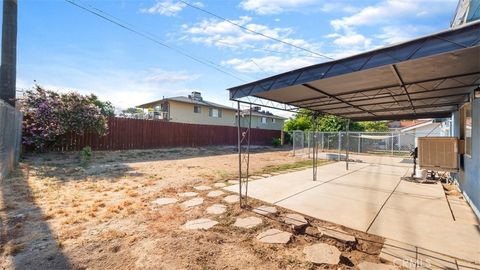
26, 241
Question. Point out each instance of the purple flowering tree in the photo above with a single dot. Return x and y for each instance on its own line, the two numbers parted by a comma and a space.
48, 117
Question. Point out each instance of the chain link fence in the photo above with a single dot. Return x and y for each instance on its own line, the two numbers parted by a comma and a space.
376, 143
10, 138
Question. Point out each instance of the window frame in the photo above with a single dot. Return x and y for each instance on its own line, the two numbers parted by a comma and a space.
199, 109
263, 118
466, 116
218, 112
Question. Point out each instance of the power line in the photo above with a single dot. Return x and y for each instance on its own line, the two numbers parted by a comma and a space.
253, 31
262, 49
116, 21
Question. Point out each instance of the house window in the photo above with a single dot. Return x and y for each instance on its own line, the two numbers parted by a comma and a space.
264, 120
197, 109
214, 112
273, 120
467, 127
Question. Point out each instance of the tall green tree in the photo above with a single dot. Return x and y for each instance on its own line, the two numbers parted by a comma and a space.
331, 123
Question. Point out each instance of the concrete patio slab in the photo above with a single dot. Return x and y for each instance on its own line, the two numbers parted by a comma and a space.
376, 266
371, 197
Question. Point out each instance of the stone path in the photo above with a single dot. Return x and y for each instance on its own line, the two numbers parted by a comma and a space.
217, 209
215, 193
165, 201
233, 182
337, 234
220, 184
231, 198
202, 188
295, 220
322, 253
188, 194
248, 222
274, 236
265, 209
193, 202
200, 224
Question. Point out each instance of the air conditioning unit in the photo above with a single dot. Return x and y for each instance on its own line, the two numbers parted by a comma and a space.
438, 153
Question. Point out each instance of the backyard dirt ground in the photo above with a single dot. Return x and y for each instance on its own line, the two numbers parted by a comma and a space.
57, 213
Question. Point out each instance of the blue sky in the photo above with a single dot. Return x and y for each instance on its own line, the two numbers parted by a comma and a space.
64, 48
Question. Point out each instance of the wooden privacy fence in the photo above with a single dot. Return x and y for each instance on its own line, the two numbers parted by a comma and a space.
126, 133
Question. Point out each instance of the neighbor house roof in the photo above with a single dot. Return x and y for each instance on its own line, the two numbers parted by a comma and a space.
421, 124
428, 77
265, 114
205, 103
187, 100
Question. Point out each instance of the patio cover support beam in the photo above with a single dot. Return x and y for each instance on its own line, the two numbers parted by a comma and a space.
402, 85
387, 95
405, 108
389, 86
334, 97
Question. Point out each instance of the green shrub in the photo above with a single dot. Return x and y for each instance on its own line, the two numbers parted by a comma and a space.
276, 142
86, 155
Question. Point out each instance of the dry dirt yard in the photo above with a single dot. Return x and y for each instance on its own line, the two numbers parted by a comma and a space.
57, 214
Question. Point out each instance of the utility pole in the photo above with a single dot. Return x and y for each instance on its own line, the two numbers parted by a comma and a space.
8, 68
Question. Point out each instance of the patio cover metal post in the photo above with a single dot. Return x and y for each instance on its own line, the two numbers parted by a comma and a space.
243, 156
315, 146
239, 141
348, 144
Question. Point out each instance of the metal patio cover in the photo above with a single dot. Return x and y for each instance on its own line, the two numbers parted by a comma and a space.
428, 77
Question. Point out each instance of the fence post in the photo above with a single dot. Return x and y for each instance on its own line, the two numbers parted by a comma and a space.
359, 141
339, 145
392, 142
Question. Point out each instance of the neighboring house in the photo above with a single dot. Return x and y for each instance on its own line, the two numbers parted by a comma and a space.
413, 129
262, 119
193, 109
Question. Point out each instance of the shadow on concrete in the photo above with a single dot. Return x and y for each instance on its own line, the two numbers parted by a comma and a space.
27, 241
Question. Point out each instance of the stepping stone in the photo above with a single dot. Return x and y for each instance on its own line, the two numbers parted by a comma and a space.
193, 202
202, 188
165, 201
295, 220
274, 236
265, 210
248, 222
188, 194
337, 234
322, 253
199, 224
232, 198
217, 209
376, 266
266, 175
233, 182
215, 193
219, 185
255, 177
